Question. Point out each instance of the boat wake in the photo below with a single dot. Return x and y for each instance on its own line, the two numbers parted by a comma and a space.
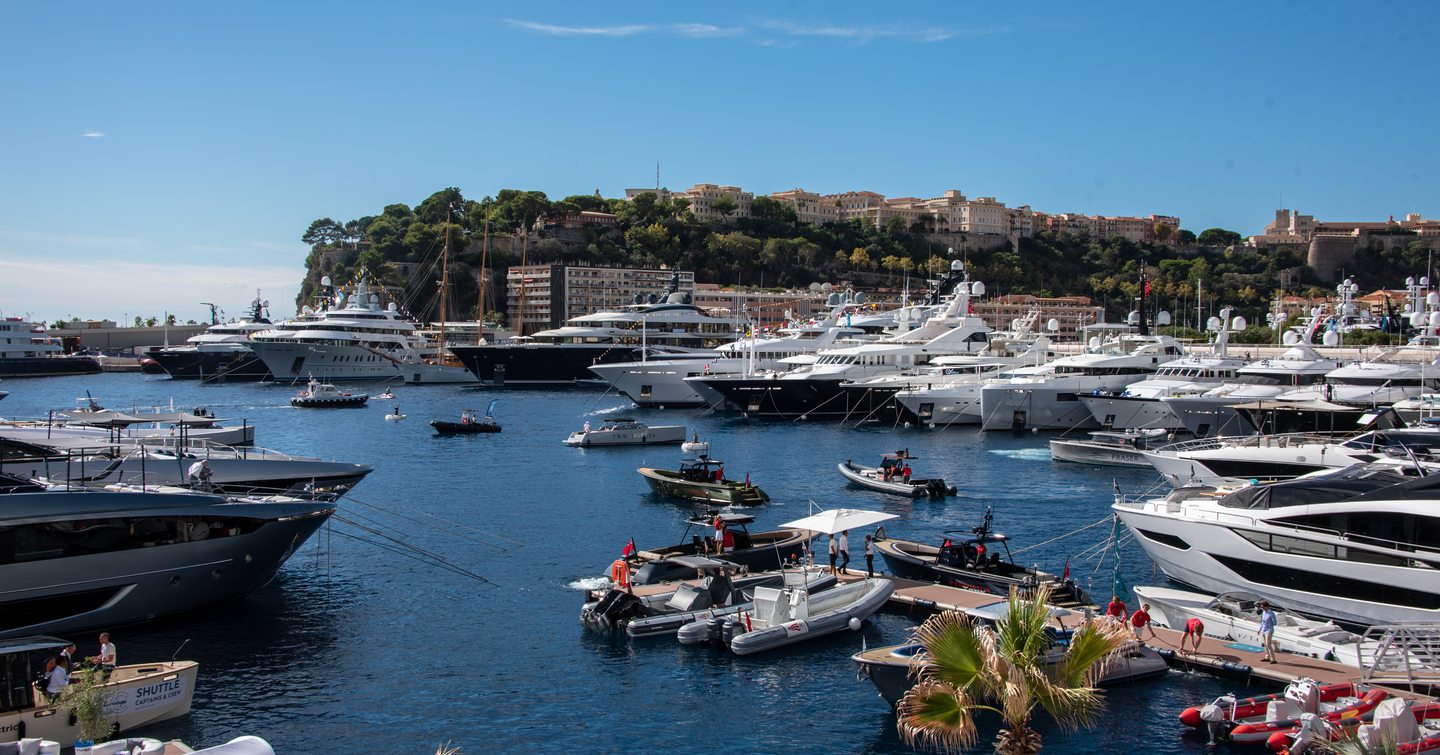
589, 583
625, 407
1024, 454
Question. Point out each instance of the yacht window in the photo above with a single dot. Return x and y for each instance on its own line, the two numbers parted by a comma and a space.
1329, 584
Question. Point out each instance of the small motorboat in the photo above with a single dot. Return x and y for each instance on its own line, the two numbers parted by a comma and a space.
318, 395
137, 695
470, 422
974, 562
703, 479
786, 615
625, 432
395, 416
725, 590
890, 668
1396, 722
1253, 720
1111, 448
890, 477
759, 551
695, 445
387, 395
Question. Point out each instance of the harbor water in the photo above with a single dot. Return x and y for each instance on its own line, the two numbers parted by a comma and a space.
368, 641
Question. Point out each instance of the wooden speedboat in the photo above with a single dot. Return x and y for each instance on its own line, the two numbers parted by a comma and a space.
318, 395
626, 432
470, 422
139, 694
975, 562
756, 550
889, 477
703, 479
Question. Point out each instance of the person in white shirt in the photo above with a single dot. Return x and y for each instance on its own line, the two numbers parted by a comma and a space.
106, 660
58, 679
834, 551
844, 551
869, 556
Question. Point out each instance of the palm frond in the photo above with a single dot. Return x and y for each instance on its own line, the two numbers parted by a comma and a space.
935, 715
1022, 629
1092, 646
955, 650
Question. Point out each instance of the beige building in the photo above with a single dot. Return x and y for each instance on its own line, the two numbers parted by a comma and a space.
1290, 227
1069, 312
809, 207
703, 197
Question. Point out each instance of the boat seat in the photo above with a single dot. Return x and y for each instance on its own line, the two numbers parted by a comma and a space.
1393, 721
768, 609
690, 597
1282, 709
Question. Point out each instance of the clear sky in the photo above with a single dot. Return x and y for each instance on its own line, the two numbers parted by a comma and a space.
161, 154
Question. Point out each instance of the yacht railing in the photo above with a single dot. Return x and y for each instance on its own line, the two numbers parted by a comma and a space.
1404, 655
1282, 440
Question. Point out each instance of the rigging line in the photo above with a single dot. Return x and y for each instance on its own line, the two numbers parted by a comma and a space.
1106, 520
451, 523
385, 525
440, 564
402, 546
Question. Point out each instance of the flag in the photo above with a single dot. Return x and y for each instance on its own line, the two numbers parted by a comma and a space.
629, 549
1147, 285
1066, 575
1116, 483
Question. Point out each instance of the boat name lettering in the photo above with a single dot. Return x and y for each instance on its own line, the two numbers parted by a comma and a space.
155, 694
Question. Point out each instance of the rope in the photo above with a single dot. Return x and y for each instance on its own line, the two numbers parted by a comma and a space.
448, 522
1106, 520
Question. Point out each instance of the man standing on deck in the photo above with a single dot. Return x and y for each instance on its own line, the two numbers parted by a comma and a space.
844, 551
1267, 630
869, 556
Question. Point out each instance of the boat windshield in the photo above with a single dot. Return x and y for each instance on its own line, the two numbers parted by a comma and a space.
1350, 483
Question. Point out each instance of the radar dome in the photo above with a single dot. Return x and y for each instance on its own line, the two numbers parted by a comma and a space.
814, 287
324, 280
1435, 320
833, 300
860, 297
826, 286
956, 265
1212, 323
977, 289
651, 299
1133, 318
1290, 338
1052, 325
393, 307
1417, 319
1432, 299
1162, 318
306, 310
1331, 338
1238, 322
375, 299
1015, 324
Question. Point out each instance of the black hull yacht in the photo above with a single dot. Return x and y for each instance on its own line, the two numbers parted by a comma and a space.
540, 364
225, 367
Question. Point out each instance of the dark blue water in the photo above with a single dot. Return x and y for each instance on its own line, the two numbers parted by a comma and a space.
356, 647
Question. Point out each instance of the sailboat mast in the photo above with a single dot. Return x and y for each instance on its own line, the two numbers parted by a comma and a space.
484, 258
444, 284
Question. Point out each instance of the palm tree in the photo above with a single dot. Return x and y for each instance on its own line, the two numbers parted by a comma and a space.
967, 668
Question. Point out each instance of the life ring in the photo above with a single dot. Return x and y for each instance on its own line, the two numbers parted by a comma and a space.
620, 572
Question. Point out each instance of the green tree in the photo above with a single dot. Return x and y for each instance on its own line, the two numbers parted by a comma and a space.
371, 264
725, 205
859, 258
968, 669
768, 208
653, 239
1184, 237
323, 232
1218, 237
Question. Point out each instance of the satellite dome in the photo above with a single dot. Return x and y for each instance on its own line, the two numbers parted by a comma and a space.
1331, 338
1290, 338
860, 298
1162, 318
833, 300
1212, 324
977, 289
324, 280
1133, 318
1052, 325
393, 307
1238, 323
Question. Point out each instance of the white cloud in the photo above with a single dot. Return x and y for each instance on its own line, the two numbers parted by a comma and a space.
582, 31
110, 289
899, 31
706, 30
75, 239
93, 134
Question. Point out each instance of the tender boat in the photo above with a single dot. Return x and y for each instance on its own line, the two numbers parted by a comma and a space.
757, 550
470, 422
626, 432
318, 395
692, 446
1396, 723
394, 416
1235, 617
138, 694
888, 477
974, 562
387, 395
1110, 448
1253, 720
891, 668
724, 590
703, 479
787, 615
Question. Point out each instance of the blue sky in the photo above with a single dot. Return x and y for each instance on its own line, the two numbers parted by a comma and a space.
160, 154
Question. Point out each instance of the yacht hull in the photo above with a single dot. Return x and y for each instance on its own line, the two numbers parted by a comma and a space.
216, 366
1005, 407
17, 367
293, 361
777, 397
1130, 413
539, 364
117, 587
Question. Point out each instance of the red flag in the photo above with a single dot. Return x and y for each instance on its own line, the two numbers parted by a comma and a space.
1147, 285
1067, 571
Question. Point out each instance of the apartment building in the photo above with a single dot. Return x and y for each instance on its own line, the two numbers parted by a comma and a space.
539, 297
758, 309
809, 207
1290, 227
1069, 312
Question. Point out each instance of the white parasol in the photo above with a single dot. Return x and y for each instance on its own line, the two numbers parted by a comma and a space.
839, 520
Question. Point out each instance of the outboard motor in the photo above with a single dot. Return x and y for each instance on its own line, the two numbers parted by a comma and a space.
613, 610
1217, 718
732, 629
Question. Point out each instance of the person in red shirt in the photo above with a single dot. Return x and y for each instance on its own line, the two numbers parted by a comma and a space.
1194, 630
1140, 621
1116, 608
